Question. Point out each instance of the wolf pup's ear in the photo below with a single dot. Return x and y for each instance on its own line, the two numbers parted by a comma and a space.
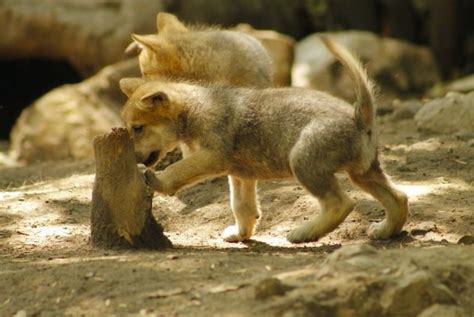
129, 85
151, 42
132, 49
166, 22
155, 99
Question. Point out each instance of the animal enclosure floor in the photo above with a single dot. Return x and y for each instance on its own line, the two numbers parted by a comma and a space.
48, 268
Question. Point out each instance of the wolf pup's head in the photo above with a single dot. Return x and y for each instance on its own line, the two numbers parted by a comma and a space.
151, 115
158, 53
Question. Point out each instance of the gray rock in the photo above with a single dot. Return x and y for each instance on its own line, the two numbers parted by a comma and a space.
412, 292
351, 251
423, 228
450, 114
396, 66
405, 110
359, 280
465, 84
270, 287
62, 123
465, 135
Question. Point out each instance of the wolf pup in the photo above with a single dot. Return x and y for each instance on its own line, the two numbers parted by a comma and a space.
266, 134
202, 54
207, 55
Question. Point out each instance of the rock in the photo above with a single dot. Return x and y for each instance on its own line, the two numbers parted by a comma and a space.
438, 310
450, 114
396, 66
465, 135
405, 110
412, 292
385, 108
281, 49
463, 85
351, 251
359, 280
62, 123
270, 287
88, 34
352, 257
423, 228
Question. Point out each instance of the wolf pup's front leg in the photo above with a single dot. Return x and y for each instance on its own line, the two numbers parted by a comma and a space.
197, 167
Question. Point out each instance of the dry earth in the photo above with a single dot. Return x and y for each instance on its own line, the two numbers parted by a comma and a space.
47, 267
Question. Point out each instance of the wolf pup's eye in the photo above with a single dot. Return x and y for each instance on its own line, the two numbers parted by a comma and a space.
137, 129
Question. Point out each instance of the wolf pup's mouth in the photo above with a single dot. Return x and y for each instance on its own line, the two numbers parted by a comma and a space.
152, 159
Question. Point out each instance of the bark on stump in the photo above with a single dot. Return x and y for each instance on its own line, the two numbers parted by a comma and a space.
121, 201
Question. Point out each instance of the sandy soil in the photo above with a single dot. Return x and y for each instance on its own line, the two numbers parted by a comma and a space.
47, 267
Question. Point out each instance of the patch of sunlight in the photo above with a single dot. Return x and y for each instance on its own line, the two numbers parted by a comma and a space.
10, 195
44, 235
415, 190
429, 145
69, 260
438, 185
57, 231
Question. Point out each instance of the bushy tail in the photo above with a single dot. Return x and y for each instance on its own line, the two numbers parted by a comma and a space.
364, 109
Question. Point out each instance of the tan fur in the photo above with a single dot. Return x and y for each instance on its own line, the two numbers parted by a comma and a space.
203, 54
264, 134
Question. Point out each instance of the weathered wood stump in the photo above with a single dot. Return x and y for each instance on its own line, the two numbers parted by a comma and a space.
121, 201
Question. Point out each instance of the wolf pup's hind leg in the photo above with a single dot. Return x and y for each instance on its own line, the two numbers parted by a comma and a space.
376, 183
314, 170
335, 206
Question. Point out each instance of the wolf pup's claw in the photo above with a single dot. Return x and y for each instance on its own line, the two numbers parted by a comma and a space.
150, 179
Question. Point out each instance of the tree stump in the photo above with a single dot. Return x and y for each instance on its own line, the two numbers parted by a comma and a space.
121, 201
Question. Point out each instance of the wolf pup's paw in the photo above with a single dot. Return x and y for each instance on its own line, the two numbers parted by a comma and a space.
380, 230
231, 234
299, 236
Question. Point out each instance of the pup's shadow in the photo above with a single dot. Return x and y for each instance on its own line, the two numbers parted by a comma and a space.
203, 194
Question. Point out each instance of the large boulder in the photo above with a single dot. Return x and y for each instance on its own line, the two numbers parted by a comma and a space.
88, 34
397, 67
62, 123
450, 114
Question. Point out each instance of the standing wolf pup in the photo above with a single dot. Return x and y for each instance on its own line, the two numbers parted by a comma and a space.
264, 134
202, 54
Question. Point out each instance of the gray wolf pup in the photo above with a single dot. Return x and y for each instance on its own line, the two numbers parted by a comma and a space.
266, 134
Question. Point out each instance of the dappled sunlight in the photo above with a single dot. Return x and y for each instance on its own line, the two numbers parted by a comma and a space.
437, 185
429, 145
84, 258
416, 190
48, 214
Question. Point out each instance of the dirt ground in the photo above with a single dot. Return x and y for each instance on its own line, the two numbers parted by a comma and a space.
47, 267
